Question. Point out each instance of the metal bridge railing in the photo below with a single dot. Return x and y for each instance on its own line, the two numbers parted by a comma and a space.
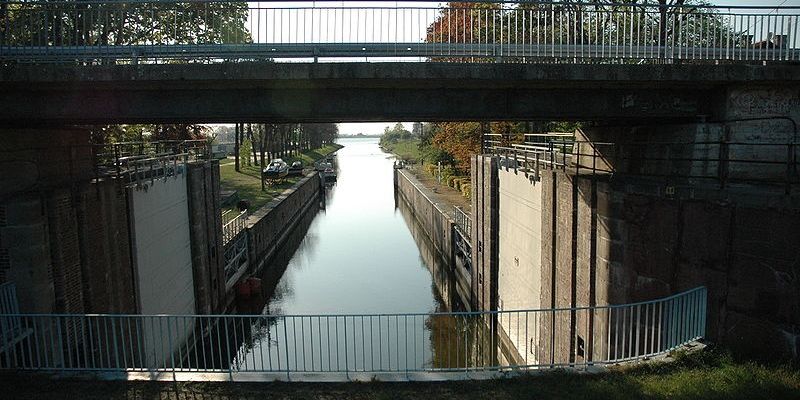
283, 345
470, 31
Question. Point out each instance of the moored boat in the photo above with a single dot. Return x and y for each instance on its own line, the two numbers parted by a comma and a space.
276, 169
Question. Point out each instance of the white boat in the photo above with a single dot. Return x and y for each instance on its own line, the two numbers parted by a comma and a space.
276, 169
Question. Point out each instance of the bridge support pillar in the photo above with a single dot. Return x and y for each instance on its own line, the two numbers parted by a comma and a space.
485, 218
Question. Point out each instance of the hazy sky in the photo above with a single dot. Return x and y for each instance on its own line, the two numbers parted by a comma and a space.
368, 128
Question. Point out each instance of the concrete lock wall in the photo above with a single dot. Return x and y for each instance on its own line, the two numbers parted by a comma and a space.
268, 226
63, 234
159, 213
519, 268
102, 221
484, 232
163, 258
607, 242
205, 229
433, 232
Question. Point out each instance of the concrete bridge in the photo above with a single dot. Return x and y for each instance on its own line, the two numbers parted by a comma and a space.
685, 176
289, 92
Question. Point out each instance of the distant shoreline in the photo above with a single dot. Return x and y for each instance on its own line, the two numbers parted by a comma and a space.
358, 136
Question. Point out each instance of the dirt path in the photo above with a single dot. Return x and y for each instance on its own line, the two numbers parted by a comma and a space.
443, 192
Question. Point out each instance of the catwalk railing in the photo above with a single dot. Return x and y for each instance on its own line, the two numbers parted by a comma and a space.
723, 163
278, 346
463, 221
526, 31
233, 223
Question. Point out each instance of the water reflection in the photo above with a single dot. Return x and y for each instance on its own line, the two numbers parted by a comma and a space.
359, 255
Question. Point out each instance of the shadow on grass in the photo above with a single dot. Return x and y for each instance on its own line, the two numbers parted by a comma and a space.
247, 182
698, 376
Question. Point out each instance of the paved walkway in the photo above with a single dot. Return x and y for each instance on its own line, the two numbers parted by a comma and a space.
442, 192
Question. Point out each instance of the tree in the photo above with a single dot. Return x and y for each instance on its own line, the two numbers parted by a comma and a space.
395, 134
178, 132
90, 23
501, 30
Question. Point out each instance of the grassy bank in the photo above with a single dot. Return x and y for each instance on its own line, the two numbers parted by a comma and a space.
405, 149
698, 376
247, 182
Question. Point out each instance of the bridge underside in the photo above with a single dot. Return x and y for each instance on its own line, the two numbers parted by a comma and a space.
353, 92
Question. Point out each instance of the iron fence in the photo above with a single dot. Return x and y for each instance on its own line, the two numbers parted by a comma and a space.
279, 346
471, 31
233, 223
709, 158
463, 221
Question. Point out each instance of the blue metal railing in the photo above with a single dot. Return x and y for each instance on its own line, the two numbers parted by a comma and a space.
280, 346
528, 31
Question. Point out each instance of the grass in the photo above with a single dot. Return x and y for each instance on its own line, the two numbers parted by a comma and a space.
702, 375
247, 182
405, 149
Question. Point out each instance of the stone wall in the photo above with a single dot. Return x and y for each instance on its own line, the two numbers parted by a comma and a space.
102, 222
205, 228
63, 235
630, 246
25, 253
746, 256
485, 209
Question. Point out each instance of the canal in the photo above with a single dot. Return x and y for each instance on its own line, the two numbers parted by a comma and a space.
336, 269
359, 253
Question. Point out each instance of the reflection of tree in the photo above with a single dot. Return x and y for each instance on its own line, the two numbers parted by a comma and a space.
459, 341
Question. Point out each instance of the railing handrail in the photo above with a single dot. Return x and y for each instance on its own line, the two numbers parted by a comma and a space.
579, 31
349, 315
514, 2
454, 342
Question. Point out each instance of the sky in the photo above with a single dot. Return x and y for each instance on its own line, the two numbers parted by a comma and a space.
368, 128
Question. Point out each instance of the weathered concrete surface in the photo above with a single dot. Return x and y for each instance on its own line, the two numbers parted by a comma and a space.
268, 227
235, 92
485, 209
630, 245
25, 253
205, 228
102, 222
519, 259
159, 213
41, 159
433, 232
63, 238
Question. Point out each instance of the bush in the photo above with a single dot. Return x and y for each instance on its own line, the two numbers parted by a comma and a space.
447, 173
466, 190
431, 169
451, 181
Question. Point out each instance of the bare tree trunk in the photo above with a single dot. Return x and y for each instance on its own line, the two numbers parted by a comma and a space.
262, 145
252, 143
236, 148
